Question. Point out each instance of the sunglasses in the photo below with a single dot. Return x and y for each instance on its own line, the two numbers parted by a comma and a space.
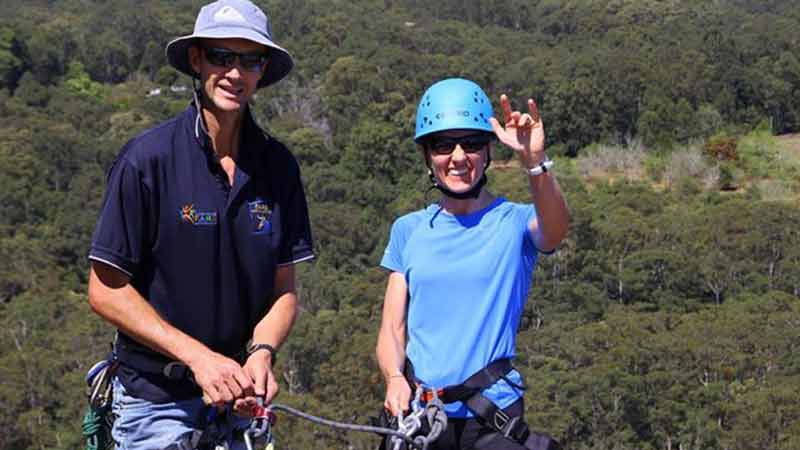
222, 57
472, 143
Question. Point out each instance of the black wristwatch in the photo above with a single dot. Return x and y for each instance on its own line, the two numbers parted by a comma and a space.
253, 347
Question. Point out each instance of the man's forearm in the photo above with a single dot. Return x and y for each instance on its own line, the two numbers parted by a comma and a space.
116, 301
276, 325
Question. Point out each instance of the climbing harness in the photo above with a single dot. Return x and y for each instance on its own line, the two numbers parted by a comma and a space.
97, 421
425, 422
470, 393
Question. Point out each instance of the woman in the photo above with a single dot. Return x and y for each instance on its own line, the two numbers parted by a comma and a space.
460, 269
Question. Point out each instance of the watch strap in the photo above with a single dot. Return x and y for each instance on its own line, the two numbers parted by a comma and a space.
252, 348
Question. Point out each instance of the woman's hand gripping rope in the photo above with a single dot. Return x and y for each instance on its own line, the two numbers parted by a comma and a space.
433, 412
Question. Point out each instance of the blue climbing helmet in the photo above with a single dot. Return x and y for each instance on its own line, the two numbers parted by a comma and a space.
453, 104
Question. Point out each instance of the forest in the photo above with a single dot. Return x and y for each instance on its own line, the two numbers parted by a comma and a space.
668, 319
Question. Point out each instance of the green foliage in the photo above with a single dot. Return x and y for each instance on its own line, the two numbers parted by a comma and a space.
668, 318
761, 157
10, 62
78, 81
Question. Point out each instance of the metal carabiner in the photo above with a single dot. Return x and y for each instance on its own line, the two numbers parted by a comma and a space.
411, 423
260, 426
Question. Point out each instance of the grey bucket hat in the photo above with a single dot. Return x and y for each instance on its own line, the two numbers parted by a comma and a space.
232, 19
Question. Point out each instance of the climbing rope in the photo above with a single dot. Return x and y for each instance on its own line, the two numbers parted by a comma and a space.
98, 420
342, 425
432, 412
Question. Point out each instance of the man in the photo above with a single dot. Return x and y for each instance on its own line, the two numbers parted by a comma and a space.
193, 256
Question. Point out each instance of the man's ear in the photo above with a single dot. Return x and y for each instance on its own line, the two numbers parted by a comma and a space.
265, 67
195, 58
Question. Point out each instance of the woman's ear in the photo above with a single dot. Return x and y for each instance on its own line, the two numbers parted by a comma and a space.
425, 155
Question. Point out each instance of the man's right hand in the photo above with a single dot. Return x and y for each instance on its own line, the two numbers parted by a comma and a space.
398, 395
222, 379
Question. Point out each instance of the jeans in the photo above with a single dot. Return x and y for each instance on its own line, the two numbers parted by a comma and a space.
144, 425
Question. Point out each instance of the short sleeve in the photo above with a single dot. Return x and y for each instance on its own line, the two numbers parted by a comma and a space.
393, 255
296, 245
119, 238
528, 214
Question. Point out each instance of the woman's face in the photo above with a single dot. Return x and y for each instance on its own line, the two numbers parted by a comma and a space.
458, 158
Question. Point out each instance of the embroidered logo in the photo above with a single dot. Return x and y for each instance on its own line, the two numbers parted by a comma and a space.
229, 14
260, 215
190, 215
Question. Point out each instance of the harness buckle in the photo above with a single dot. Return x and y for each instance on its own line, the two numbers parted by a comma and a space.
501, 419
429, 394
516, 429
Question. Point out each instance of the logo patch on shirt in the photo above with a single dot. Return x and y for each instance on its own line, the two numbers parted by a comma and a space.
190, 215
260, 215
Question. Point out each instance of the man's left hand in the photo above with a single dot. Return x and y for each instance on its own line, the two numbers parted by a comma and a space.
259, 367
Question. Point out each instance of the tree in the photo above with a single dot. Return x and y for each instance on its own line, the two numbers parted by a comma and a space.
10, 63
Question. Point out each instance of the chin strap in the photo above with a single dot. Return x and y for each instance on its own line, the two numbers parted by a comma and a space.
200, 122
473, 192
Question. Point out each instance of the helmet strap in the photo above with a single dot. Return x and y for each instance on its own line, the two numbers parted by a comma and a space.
473, 192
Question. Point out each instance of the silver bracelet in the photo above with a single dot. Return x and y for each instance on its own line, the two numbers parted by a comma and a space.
543, 167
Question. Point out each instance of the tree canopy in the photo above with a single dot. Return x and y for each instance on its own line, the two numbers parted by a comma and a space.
669, 317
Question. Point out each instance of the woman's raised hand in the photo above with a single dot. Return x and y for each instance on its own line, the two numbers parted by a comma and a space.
522, 132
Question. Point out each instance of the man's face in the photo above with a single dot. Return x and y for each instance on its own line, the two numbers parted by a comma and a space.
229, 71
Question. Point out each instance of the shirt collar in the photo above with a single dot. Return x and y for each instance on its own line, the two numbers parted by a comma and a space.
251, 135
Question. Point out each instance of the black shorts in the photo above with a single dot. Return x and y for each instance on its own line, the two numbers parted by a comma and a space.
464, 434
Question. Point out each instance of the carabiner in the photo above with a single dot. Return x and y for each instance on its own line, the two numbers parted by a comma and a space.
260, 426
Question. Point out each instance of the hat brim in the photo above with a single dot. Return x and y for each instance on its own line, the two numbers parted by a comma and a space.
279, 65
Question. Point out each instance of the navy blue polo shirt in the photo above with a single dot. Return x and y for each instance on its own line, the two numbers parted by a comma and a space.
203, 253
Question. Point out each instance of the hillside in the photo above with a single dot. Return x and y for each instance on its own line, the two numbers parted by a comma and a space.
667, 319
791, 142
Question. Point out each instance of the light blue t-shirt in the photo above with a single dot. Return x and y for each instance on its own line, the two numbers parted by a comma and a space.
468, 278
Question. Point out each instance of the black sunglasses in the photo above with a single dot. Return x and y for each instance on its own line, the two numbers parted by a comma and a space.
222, 57
471, 143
